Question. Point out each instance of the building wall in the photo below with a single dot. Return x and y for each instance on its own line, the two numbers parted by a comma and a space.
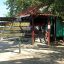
59, 28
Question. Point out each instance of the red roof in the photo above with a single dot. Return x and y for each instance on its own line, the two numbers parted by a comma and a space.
34, 11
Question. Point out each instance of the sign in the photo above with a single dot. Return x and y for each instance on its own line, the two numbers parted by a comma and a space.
21, 24
17, 24
25, 23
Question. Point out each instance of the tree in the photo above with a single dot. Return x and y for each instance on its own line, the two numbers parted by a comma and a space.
55, 6
15, 6
10, 4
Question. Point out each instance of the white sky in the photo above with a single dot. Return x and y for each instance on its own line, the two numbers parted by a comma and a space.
3, 10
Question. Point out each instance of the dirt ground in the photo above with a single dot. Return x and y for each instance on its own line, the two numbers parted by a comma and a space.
30, 54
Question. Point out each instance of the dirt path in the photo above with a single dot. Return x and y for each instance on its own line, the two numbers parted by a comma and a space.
30, 54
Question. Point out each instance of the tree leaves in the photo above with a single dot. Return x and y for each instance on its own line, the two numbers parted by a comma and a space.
16, 6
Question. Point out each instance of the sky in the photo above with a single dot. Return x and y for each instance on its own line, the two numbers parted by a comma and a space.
3, 10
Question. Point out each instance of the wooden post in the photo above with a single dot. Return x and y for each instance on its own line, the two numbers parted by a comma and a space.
55, 29
19, 46
33, 34
48, 32
32, 37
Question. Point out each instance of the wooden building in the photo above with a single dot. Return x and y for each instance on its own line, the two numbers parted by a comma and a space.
47, 21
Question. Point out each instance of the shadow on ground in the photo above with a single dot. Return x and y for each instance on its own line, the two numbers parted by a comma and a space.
29, 61
9, 46
49, 58
41, 58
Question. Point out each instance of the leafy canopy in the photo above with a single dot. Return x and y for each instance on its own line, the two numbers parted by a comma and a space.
16, 6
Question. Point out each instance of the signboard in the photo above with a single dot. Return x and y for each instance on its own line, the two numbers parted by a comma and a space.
25, 23
21, 24
17, 24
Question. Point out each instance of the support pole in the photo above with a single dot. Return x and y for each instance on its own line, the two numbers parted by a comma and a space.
55, 29
19, 46
33, 34
48, 32
32, 37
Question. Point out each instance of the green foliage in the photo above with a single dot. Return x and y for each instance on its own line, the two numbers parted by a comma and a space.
10, 4
15, 6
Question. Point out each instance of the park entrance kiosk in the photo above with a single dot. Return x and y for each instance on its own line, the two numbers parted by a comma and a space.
44, 21
47, 25
41, 26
